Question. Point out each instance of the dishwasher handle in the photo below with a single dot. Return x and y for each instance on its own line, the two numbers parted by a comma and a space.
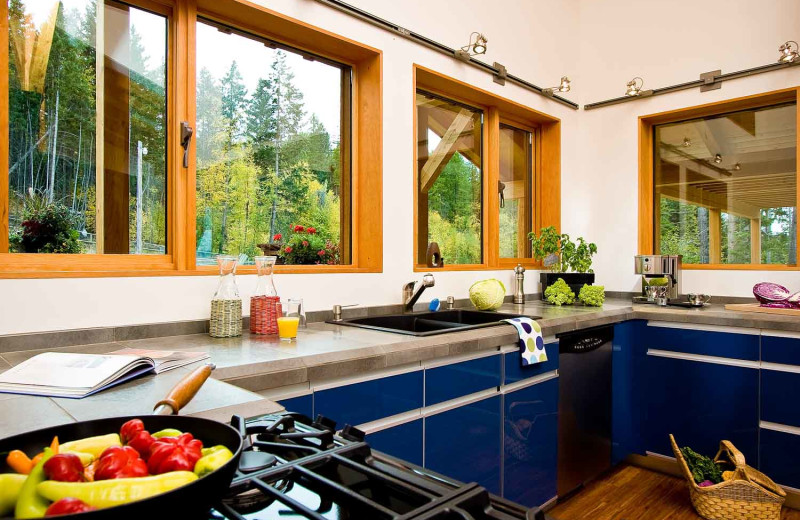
585, 340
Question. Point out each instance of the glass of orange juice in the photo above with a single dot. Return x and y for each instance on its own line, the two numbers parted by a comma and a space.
294, 317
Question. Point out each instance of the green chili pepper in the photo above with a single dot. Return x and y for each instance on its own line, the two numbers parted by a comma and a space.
213, 461
212, 449
29, 503
114, 492
167, 432
10, 485
93, 445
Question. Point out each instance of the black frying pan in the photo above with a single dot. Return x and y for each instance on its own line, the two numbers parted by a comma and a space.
190, 501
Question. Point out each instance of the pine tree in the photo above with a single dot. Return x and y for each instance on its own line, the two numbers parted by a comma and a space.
234, 94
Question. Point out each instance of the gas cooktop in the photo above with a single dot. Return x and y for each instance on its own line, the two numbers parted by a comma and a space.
292, 467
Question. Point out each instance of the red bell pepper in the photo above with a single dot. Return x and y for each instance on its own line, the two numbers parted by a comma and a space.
130, 429
67, 506
179, 453
119, 462
64, 467
142, 442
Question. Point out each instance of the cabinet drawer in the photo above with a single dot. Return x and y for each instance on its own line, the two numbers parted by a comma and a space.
446, 382
776, 349
514, 371
303, 404
403, 441
777, 460
705, 342
777, 394
367, 401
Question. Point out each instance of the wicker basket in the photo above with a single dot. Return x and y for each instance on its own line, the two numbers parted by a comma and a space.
749, 495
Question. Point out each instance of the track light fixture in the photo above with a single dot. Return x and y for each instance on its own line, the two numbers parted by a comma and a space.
634, 86
788, 52
717, 159
562, 87
477, 45
686, 142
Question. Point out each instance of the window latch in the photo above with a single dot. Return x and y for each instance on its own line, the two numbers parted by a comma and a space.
186, 136
501, 187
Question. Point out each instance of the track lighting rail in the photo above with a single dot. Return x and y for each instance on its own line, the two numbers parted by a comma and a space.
699, 83
497, 71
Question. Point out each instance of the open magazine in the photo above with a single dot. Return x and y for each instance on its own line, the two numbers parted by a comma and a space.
62, 374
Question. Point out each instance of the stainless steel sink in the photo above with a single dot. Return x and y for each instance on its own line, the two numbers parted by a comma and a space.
429, 323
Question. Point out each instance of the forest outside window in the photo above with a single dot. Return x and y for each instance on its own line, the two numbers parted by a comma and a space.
87, 116
272, 151
515, 187
725, 187
450, 179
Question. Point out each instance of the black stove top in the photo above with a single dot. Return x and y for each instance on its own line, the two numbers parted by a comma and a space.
295, 468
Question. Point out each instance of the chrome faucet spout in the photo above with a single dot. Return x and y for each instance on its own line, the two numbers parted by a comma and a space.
410, 296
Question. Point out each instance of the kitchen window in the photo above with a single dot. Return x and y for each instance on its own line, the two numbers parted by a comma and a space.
724, 186
147, 136
487, 174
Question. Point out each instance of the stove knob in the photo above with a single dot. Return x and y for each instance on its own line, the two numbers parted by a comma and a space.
324, 423
351, 433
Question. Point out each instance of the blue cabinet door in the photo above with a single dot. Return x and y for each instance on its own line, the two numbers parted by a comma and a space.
443, 383
777, 460
701, 404
530, 443
359, 403
513, 370
403, 441
464, 443
628, 390
778, 391
703, 342
303, 404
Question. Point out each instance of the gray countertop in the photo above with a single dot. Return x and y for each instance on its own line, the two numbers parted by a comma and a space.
321, 352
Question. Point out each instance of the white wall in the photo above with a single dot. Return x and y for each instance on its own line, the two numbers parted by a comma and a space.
600, 45
526, 36
665, 43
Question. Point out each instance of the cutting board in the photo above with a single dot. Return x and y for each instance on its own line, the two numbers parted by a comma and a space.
755, 307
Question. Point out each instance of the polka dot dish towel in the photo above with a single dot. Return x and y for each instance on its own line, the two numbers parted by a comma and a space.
531, 342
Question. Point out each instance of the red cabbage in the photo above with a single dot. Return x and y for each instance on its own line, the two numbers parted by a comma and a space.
779, 305
767, 292
794, 299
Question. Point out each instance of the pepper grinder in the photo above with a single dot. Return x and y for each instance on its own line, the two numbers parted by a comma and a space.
519, 283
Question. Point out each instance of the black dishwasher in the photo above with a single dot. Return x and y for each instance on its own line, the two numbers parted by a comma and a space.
584, 406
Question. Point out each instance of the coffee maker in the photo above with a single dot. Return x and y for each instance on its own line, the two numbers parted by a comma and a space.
660, 266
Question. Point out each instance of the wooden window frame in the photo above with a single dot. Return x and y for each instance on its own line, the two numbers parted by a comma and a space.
546, 165
365, 153
646, 169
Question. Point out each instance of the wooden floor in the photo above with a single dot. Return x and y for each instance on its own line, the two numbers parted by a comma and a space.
633, 493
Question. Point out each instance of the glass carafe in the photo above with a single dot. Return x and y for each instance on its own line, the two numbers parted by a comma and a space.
265, 305
226, 305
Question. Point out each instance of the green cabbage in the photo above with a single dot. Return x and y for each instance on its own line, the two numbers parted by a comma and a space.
592, 295
559, 293
487, 294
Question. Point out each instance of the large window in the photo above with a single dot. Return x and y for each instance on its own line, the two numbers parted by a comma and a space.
725, 187
450, 178
270, 125
487, 174
87, 98
148, 136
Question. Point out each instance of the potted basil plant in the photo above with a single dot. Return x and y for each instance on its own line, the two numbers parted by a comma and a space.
571, 261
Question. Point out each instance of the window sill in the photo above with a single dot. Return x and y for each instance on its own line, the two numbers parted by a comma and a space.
740, 267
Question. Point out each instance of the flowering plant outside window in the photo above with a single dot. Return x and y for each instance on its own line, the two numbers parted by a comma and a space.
304, 246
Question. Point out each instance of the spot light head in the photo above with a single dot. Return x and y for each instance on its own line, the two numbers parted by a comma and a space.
634, 87
687, 142
788, 52
717, 159
479, 47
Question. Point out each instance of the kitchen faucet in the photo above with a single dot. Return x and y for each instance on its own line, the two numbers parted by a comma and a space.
410, 296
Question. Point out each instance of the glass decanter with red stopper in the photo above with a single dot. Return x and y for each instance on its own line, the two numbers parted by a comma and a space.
265, 305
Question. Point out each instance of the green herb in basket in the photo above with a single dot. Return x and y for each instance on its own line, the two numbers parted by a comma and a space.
702, 467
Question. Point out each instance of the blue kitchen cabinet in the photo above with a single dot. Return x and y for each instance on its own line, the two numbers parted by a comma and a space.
530, 443
464, 443
776, 460
627, 389
513, 370
703, 342
403, 441
303, 404
443, 383
782, 349
777, 390
701, 403
359, 403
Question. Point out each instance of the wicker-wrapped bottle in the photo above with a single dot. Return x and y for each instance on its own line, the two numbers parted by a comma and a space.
265, 305
226, 306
